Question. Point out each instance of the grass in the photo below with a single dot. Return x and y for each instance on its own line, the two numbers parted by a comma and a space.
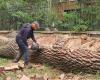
44, 69
51, 72
4, 61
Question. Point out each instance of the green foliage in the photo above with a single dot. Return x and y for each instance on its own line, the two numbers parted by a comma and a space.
72, 21
52, 19
13, 13
98, 14
89, 15
7, 11
25, 17
80, 28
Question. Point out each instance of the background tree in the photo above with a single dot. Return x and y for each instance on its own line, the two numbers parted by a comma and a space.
13, 13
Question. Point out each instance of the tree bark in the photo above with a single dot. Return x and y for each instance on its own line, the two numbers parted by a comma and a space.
63, 52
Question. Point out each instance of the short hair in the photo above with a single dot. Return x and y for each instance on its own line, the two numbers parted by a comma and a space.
36, 23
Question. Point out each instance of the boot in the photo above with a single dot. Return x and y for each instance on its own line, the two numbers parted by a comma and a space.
17, 58
28, 66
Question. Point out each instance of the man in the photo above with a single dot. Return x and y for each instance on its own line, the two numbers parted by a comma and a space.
25, 33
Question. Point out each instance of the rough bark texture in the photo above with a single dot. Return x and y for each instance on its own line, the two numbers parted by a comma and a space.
63, 52
8, 47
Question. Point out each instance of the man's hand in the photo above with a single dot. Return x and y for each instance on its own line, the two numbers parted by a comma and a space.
29, 46
35, 46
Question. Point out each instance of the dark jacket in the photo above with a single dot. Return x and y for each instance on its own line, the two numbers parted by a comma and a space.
25, 33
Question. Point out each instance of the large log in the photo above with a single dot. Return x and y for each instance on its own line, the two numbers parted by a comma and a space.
63, 52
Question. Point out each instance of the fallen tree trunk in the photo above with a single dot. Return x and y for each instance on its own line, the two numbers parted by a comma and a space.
8, 47
63, 52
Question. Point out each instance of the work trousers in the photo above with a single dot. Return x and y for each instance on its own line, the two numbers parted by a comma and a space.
23, 51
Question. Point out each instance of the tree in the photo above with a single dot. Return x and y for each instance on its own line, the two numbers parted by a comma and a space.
8, 9
62, 52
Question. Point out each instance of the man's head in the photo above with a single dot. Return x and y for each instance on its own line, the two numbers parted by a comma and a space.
35, 25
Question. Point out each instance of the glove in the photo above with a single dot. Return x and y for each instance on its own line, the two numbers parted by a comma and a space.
35, 46
29, 46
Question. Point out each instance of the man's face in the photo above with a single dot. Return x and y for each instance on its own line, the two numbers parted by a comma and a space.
35, 26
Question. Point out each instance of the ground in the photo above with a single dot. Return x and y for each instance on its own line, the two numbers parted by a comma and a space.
38, 69
44, 70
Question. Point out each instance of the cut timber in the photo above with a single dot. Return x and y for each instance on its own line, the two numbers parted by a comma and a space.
63, 52
9, 48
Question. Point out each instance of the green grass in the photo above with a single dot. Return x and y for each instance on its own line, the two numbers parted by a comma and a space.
4, 61
51, 72
30, 72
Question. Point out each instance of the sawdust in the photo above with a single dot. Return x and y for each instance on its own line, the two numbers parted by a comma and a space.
70, 42
47, 41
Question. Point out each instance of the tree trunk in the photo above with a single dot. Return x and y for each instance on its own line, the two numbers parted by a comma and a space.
63, 52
